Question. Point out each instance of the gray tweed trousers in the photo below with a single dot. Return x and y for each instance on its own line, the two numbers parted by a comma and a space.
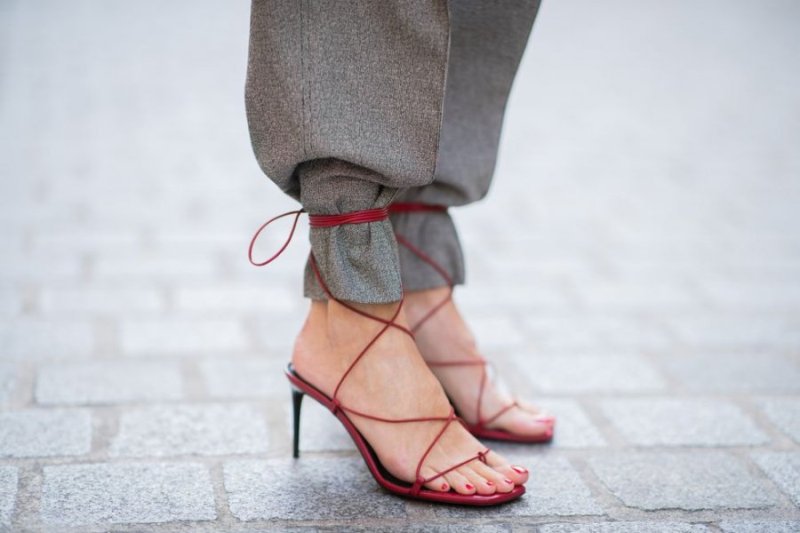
354, 104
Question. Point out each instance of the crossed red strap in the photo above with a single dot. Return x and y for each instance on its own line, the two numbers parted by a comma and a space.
416, 207
361, 217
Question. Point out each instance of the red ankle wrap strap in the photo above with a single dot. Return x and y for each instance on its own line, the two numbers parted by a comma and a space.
355, 217
316, 221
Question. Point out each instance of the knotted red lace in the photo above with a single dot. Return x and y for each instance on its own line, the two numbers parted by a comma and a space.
362, 217
416, 207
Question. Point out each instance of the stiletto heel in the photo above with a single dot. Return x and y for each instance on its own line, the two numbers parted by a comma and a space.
297, 401
479, 429
343, 413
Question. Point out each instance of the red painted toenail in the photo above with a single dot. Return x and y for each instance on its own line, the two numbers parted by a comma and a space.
444, 486
519, 470
490, 483
469, 487
508, 481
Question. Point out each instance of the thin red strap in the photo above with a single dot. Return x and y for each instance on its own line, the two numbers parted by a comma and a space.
418, 207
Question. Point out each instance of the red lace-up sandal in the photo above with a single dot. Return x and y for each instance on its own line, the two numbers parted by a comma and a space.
301, 387
481, 428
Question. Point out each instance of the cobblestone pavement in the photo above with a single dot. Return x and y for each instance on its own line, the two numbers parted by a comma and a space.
636, 269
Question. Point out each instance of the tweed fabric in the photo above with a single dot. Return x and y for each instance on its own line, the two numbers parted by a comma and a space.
487, 41
345, 103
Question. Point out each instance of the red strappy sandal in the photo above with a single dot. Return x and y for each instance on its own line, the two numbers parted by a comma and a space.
479, 429
301, 387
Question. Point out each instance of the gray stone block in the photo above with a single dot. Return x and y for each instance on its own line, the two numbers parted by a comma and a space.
8, 374
751, 332
101, 301
682, 422
596, 373
625, 527
632, 295
126, 493
307, 489
8, 493
216, 429
735, 373
10, 302
149, 267
497, 331
784, 413
554, 488
225, 300
104, 382
573, 427
179, 336
320, 431
257, 377
784, 469
759, 526
564, 332
37, 433
689, 481
41, 339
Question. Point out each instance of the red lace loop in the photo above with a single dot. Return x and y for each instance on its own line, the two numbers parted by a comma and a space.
285, 244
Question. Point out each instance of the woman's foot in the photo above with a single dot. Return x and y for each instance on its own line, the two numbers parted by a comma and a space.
393, 381
444, 336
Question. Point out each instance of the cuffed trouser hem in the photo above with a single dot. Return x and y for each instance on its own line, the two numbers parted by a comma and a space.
433, 233
357, 262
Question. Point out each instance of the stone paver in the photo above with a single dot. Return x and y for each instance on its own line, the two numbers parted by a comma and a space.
784, 413
105, 382
181, 336
708, 480
36, 339
7, 375
10, 302
8, 493
309, 489
682, 422
37, 433
625, 527
555, 489
784, 469
159, 431
575, 429
235, 299
319, 430
573, 331
121, 493
102, 301
245, 377
763, 526
591, 373
725, 331
740, 373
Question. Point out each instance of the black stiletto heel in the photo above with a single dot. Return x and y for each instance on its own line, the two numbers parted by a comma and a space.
297, 400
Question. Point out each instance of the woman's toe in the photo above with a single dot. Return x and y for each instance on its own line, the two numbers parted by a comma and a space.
460, 483
499, 481
517, 474
482, 485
